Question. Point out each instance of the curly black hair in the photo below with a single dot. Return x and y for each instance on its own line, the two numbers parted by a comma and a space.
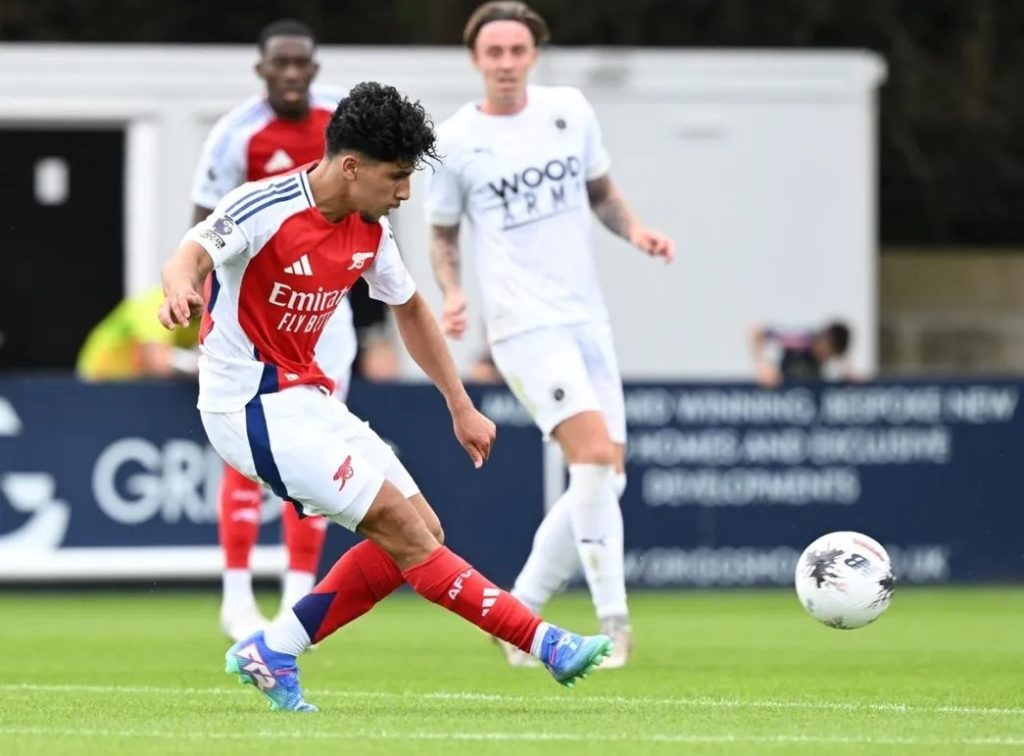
377, 121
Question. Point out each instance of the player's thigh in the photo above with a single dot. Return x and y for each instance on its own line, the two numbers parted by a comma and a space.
358, 433
380, 454
394, 523
226, 434
365, 440
547, 373
430, 518
584, 439
299, 450
597, 349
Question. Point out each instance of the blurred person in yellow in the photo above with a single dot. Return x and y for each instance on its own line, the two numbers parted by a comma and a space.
129, 343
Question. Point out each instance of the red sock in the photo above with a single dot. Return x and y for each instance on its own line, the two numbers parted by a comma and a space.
304, 538
447, 579
238, 525
363, 576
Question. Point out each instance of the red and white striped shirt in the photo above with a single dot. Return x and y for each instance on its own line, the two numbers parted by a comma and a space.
251, 142
281, 269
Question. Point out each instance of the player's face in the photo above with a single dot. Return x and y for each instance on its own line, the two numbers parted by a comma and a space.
380, 187
288, 68
504, 54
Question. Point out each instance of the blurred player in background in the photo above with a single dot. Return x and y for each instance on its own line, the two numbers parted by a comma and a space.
378, 358
127, 344
265, 401
525, 166
267, 135
782, 355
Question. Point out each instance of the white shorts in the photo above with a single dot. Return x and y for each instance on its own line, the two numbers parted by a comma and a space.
562, 371
307, 447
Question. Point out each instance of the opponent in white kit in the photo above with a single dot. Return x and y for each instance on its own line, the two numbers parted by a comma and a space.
525, 166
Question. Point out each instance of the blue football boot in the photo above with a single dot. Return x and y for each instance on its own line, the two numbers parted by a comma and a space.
570, 657
274, 674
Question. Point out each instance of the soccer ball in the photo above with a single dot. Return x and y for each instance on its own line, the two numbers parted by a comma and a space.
844, 580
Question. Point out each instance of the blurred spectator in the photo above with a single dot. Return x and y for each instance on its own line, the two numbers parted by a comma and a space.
130, 343
377, 359
782, 356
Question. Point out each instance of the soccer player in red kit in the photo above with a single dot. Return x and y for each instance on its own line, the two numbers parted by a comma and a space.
265, 402
268, 135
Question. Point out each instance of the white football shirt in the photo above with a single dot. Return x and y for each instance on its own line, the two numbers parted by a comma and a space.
520, 181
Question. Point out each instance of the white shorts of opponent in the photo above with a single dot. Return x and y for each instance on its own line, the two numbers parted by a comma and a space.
309, 448
562, 371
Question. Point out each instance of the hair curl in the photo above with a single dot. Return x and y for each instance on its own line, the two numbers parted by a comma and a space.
379, 122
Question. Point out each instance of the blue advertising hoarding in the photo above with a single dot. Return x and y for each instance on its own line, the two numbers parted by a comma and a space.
727, 483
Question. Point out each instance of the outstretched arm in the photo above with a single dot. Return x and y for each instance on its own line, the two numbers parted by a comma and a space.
426, 345
610, 206
444, 255
183, 277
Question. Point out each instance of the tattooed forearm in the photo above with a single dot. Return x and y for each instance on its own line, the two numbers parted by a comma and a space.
615, 215
610, 206
444, 254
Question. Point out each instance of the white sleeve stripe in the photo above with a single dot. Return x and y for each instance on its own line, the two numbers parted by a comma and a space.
304, 183
268, 203
258, 195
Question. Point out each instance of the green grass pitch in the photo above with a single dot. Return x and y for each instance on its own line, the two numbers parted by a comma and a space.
714, 672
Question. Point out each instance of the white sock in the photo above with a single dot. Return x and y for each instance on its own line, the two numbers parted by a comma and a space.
597, 527
286, 634
552, 561
237, 590
538, 639
294, 585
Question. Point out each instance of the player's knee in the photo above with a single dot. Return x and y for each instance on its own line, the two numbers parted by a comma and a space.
394, 524
594, 452
433, 523
429, 516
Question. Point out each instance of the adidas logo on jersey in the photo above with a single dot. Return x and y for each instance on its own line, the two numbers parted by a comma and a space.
300, 267
279, 161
